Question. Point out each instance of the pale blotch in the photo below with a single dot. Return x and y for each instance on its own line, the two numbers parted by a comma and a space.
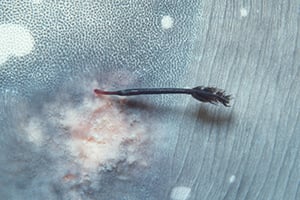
167, 22
180, 193
101, 133
244, 12
15, 40
34, 132
232, 179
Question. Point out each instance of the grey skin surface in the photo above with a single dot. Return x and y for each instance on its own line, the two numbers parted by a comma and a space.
249, 48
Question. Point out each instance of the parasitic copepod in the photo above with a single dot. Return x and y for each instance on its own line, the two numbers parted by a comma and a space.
211, 95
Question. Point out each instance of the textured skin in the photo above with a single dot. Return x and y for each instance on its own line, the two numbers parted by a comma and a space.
248, 151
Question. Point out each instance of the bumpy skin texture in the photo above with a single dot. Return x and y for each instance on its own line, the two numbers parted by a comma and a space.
53, 54
96, 37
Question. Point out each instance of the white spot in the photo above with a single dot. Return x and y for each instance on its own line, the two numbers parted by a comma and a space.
167, 22
232, 179
180, 193
244, 12
15, 40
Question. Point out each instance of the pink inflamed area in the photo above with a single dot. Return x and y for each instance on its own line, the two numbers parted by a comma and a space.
95, 134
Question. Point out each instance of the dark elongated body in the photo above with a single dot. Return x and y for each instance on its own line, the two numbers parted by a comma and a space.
204, 94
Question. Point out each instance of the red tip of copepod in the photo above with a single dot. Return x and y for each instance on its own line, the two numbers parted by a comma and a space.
98, 92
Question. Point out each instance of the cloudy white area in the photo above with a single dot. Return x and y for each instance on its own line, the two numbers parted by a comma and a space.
167, 22
180, 193
101, 135
92, 136
34, 132
15, 40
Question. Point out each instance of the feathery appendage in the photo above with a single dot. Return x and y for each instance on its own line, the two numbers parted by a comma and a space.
211, 95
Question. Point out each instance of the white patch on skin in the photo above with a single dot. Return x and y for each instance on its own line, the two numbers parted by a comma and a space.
180, 193
167, 22
244, 12
34, 132
99, 133
232, 179
15, 40
87, 136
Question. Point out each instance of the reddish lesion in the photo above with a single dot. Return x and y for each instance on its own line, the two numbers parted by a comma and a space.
93, 139
101, 131
69, 177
